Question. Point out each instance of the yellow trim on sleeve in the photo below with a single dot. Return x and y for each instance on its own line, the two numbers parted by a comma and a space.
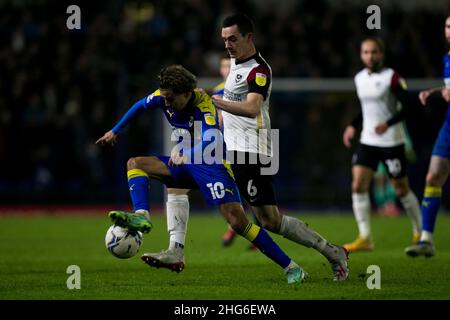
134, 173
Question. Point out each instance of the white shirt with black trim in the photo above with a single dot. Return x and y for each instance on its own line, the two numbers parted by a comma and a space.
242, 133
378, 103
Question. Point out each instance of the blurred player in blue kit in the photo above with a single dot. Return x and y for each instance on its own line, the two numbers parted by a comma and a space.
439, 167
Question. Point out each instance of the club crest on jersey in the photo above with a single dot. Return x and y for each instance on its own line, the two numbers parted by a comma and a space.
210, 119
238, 77
261, 79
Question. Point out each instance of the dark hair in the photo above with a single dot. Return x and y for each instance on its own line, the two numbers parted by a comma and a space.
177, 78
378, 41
243, 22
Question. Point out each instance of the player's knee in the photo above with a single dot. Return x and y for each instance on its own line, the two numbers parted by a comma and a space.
270, 223
177, 192
237, 220
131, 164
401, 191
359, 187
434, 179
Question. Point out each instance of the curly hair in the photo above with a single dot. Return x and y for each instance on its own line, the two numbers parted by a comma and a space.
177, 78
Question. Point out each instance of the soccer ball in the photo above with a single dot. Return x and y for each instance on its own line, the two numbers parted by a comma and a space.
123, 243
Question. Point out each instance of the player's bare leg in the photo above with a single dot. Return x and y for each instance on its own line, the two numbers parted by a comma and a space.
296, 230
235, 216
410, 204
437, 175
140, 169
177, 207
361, 178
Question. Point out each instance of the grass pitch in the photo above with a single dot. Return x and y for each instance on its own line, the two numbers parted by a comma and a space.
36, 251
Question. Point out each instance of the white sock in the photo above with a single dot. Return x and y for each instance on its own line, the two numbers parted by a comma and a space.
361, 209
426, 236
412, 208
144, 212
177, 219
291, 265
297, 231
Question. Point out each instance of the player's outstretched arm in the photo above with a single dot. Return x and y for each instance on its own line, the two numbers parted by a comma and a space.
108, 138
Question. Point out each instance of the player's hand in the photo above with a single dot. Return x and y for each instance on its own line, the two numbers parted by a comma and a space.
445, 94
217, 97
348, 135
423, 96
200, 90
381, 128
108, 138
177, 159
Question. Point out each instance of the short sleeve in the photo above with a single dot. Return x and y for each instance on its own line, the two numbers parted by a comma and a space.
259, 79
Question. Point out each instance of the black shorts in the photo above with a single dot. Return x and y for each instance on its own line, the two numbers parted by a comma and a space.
393, 158
255, 188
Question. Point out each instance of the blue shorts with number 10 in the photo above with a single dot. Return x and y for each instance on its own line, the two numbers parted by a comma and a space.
442, 144
215, 181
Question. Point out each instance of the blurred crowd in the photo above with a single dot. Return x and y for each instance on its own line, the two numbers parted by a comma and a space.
61, 89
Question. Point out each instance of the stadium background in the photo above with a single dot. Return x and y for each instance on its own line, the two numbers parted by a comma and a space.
61, 89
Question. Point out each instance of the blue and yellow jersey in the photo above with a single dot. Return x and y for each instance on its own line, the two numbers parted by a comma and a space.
219, 89
196, 118
447, 79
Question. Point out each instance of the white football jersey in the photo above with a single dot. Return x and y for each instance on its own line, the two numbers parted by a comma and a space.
242, 133
379, 104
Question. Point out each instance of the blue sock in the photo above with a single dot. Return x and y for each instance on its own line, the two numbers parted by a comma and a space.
139, 189
259, 237
430, 207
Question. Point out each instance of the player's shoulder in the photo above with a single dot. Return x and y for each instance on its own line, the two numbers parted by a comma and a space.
446, 56
389, 72
260, 71
203, 102
156, 95
361, 74
261, 65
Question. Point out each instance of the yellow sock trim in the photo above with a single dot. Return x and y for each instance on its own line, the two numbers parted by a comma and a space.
133, 173
251, 231
432, 192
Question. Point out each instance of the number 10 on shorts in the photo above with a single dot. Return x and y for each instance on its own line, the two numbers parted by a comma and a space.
217, 190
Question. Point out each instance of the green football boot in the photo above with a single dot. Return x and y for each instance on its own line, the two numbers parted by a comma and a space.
295, 274
132, 221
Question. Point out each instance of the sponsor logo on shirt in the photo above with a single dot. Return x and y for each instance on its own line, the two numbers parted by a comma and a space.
230, 96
